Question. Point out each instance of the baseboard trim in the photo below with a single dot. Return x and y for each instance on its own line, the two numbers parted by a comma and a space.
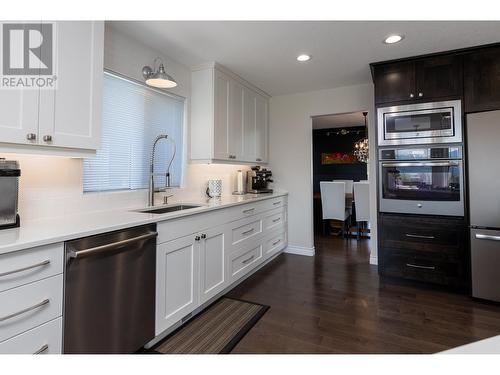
374, 260
299, 250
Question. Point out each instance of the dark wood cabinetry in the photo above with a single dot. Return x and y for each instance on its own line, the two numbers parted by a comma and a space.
427, 249
418, 80
482, 80
394, 82
439, 77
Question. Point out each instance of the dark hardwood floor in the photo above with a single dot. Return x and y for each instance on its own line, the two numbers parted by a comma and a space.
336, 303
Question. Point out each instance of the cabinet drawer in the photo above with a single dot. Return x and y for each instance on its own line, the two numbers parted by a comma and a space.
274, 243
243, 232
444, 236
23, 267
274, 203
30, 305
422, 268
245, 261
44, 339
274, 219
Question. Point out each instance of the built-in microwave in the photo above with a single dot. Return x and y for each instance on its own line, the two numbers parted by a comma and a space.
421, 123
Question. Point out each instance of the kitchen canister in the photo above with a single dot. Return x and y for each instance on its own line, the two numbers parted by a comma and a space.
240, 183
214, 188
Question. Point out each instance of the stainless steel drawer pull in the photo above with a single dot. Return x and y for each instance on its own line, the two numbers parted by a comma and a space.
275, 203
41, 264
422, 164
249, 210
23, 311
248, 260
420, 236
423, 267
487, 237
42, 349
276, 220
277, 242
112, 246
248, 232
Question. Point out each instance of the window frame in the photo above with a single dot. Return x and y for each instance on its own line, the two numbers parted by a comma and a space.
184, 158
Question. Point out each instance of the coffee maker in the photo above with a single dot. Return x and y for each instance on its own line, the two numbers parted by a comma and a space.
258, 179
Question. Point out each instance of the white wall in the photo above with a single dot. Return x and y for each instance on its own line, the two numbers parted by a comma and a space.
290, 151
52, 186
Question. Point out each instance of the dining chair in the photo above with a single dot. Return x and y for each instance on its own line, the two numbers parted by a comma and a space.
333, 203
348, 185
362, 202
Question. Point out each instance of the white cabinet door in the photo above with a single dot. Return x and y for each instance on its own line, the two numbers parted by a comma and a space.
18, 115
221, 115
214, 250
70, 115
261, 126
249, 131
235, 121
177, 281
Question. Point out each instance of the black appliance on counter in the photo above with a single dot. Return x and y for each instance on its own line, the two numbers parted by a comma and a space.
9, 188
258, 179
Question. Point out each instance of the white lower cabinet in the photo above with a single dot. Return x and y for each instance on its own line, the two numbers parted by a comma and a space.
214, 247
176, 280
243, 261
193, 270
44, 339
30, 305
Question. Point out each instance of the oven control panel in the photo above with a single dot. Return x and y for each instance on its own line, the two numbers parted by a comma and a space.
424, 153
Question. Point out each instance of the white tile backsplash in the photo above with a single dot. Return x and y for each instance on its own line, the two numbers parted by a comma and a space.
51, 186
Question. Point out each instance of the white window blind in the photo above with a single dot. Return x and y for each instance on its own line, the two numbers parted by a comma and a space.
133, 115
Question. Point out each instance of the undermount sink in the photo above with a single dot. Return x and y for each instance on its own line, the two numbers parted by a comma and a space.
164, 210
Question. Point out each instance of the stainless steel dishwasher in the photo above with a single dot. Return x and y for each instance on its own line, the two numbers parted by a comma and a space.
109, 296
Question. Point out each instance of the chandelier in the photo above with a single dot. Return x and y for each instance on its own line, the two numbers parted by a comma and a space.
361, 147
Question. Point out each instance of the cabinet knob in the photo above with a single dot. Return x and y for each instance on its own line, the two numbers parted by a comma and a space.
420, 94
47, 138
197, 238
412, 96
258, 159
203, 236
31, 136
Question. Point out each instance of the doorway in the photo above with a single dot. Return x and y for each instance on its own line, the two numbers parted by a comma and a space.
333, 143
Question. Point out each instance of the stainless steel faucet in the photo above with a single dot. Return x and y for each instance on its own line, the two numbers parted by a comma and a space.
152, 189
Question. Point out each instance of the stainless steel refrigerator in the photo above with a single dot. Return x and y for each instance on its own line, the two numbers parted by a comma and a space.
483, 135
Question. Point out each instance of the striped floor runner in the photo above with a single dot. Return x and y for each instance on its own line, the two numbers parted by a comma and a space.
216, 330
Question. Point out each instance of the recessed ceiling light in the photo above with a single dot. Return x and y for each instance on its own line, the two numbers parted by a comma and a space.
303, 58
391, 39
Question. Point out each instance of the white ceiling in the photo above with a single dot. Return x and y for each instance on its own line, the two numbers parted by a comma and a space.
264, 52
344, 120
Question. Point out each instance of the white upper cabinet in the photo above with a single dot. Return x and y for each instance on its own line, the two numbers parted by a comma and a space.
66, 119
229, 118
221, 118
261, 129
249, 130
18, 116
70, 116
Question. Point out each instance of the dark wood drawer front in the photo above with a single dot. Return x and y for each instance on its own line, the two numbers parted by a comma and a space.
427, 249
423, 234
418, 268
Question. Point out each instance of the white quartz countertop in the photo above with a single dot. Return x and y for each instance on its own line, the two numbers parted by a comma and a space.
33, 233
486, 346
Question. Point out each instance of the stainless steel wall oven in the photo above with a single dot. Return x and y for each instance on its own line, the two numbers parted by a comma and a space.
427, 180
